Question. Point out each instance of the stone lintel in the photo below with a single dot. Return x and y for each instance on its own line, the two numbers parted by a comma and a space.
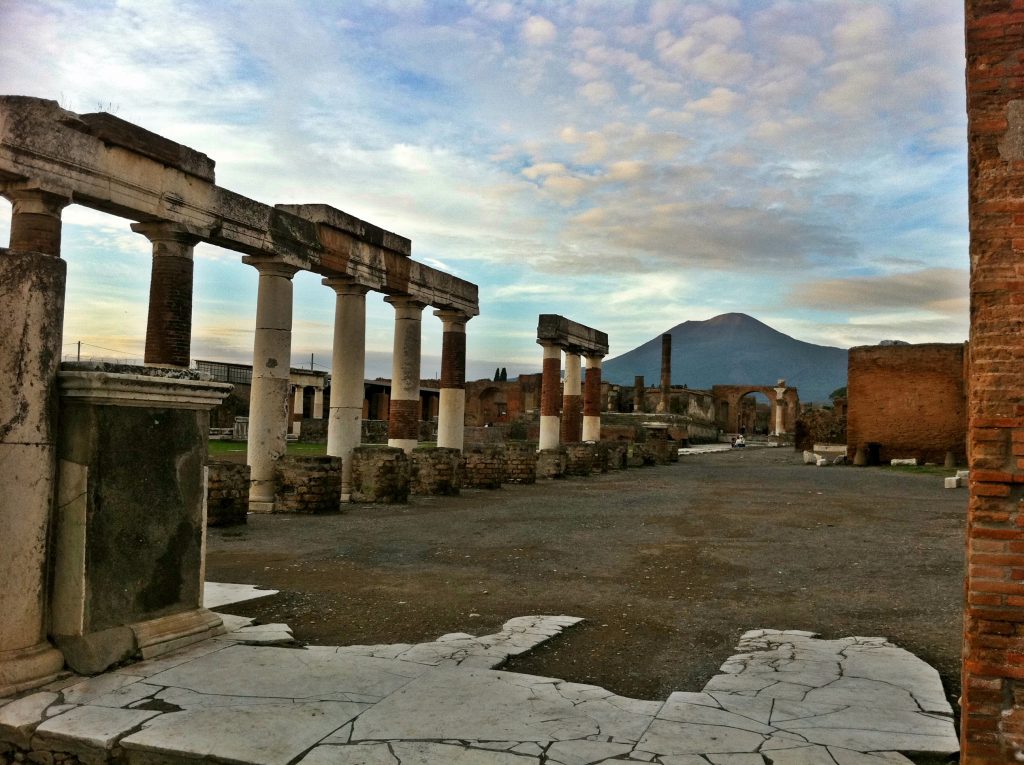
44, 146
572, 336
150, 390
115, 131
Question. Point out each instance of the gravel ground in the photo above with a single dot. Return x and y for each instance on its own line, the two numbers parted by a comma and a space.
668, 565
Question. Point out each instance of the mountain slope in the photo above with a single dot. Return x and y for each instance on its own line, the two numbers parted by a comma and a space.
734, 349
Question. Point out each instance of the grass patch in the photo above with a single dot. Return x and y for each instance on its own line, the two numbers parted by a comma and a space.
922, 469
295, 448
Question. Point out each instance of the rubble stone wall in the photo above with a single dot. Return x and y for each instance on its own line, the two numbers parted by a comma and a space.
437, 471
483, 467
227, 492
380, 474
308, 485
520, 463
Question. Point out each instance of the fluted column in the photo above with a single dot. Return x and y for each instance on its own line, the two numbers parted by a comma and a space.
344, 427
550, 396
572, 400
451, 414
32, 278
271, 363
169, 322
404, 414
592, 400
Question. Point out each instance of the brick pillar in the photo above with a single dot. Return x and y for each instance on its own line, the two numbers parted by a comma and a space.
32, 313
572, 401
992, 722
638, 393
404, 413
451, 414
169, 324
344, 426
592, 400
271, 362
666, 373
550, 396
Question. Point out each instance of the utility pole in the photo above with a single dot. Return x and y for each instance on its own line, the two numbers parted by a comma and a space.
79, 351
311, 362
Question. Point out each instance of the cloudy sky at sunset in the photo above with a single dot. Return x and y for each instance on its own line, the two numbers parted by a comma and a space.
630, 165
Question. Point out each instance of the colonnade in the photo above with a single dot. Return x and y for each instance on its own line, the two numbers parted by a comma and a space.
569, 413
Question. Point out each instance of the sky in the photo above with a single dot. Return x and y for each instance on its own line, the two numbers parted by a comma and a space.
629, 165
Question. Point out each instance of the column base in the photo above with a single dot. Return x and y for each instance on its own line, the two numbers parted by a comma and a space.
25, 668
549, 431
260, 506
405, 444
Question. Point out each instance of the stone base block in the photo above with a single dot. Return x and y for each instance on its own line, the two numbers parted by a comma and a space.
909, 461
436, 472
580, 459
483, 467
551, 463
614, 455
30, 667
380, 474
258, 506
520, 463
308, 485
640, 456
953, 482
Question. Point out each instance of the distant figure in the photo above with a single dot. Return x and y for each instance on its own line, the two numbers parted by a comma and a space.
739, 442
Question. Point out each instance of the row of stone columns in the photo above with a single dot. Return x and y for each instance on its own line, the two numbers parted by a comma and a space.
561, 410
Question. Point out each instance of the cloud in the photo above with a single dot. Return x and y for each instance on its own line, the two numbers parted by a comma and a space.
538, 31
943, 290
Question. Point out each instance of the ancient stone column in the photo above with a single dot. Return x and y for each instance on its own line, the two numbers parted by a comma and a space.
638, 393
572, 401
451, 414
666, 373
271, 362
32, 278
780, 410
550, 395
404, 413
344, 427
169, 324
318, 404
298, 402
592, 400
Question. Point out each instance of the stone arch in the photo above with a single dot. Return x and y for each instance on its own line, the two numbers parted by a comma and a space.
727, 405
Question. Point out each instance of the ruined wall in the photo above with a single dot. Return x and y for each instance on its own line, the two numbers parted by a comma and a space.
520, 462
436, 471
380, 474
909, 399
227, 492
483, 467
308, 485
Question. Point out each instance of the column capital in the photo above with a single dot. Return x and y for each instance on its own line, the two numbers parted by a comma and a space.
405, 301
269, 266
169, 231
344, 285
453, 319
36, 200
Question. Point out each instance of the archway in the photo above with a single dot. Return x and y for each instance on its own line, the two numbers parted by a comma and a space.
754, 414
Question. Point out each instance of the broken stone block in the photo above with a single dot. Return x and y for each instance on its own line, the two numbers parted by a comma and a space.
810, 458
909, 461
953, 482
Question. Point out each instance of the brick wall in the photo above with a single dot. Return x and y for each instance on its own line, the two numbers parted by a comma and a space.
909, 399
483, 467
992, 720
520, 463
579, 459
227, 493
308, 485
551, 463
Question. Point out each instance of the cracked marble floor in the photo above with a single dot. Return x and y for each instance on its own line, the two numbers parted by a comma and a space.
256, 696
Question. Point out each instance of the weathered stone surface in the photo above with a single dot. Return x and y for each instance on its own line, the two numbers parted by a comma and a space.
483, 467
380, 474
307, 485
436, 471
88, 730
227, 493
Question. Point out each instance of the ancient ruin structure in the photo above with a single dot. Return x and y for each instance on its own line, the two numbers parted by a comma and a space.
557, 334
666, 373
51, 158
783, 400
993, 675
907, 401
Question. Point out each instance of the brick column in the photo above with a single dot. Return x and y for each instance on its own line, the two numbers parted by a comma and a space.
344, 426
404, 413
572, 401
638, 393
592, 400
271, 362
992, 722
550, 396
169, 324
666, 374
451, 413
32, 278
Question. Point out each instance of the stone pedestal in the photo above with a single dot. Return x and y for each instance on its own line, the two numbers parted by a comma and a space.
436, 471
579, 459
520, 463
31, 311
551, 463
483, 467
130, 517
380, 474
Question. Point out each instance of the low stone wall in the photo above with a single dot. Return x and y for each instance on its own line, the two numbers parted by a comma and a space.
227, 493
483, 467
613, 455
579, 459
308, 485
494, 435
551, 463
639, 456
436, 471
380, 474
313, 431
520, 462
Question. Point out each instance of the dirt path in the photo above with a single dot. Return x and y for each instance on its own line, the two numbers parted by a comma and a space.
668, 565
